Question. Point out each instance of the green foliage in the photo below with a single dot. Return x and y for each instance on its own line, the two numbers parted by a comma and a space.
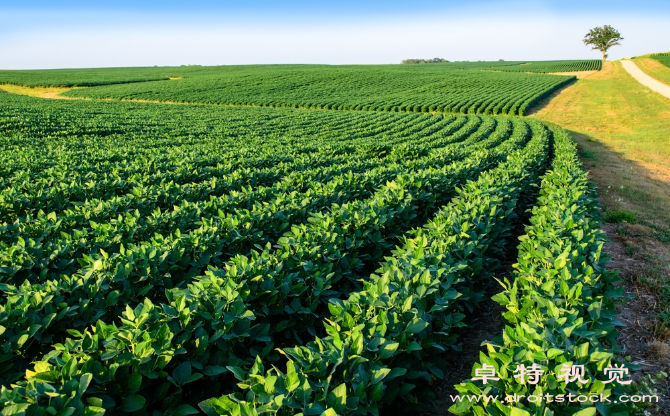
385, 338
423, 61
663, 58
153, 257
397, 88
602, 39
544, 67
560, 305
459, 87
87, 77
213, 253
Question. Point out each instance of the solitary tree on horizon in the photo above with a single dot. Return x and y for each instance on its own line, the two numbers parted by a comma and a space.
602, 38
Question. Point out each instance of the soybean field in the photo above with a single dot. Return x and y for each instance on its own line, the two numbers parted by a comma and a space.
81, 77
245, 260
663, 58
545, 67
391, 88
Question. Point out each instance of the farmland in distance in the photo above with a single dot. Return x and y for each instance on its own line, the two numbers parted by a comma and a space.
236, 259
476, 87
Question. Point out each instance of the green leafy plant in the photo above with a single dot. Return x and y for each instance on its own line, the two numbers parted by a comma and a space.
560, 304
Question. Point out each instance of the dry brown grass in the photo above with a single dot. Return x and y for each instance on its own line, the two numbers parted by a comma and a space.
42, 92
578, 74
659, 349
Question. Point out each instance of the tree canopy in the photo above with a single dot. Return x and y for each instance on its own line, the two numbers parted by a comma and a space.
602, 38
424, 61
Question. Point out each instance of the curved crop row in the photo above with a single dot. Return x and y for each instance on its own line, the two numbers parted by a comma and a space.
560, 305
212, 242
405, 88
228, 316
388, 336
553, 66
153, 257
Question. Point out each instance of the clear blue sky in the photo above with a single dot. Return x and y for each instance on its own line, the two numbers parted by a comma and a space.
341, 7
76, 33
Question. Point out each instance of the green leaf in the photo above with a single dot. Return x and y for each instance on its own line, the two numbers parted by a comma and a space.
582, 350
292, 381
407, 305
17, 409
207, 407
84, 381
94, 401
379, 374
460, 407
589, 411
269, 384
515, 411
133, 403
413, 346
553, 353
214, 370
387, 350
133, 383
436, 372
182, 373
75, 333
377, 392
396, 372
600, 356
22, 340
183, 410
247, 410
94, 411
337, 398
237, 372
501, 299
416, 325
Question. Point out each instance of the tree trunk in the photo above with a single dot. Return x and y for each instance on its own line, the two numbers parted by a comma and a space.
604, 56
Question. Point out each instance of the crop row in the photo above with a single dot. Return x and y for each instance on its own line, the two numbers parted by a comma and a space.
228, 272
388, 88
388, 212
112, 168
36, 244
387, 337
560, 304
229, 315
33, 244
197, 249
105, 76
553, 66
80, 77
663, 58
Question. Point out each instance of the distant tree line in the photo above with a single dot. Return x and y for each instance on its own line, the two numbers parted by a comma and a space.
423, 61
